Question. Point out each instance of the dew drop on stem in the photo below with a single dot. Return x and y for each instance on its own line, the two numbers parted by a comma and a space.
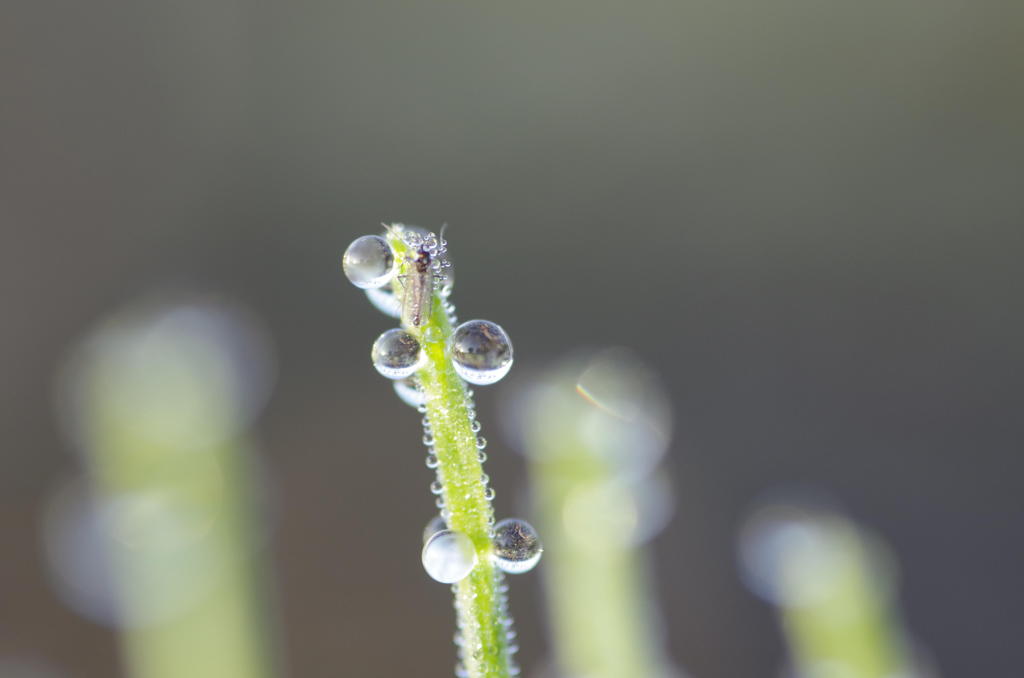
369, 262
396, 354
517, 546
481, 351
385, 301
448, 556
409, 392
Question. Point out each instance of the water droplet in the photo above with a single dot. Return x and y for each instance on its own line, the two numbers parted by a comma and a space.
448, 284
517, 547
369, 262
481, 456
385, 301
396, 354
436, 487
434, 525
489, 494
409, 391
431, 461
448, 556
481, 442
481, 351
475, 426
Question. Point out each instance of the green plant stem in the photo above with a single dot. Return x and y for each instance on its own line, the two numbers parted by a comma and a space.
479, 600
223, 635
850, 622
603, 616
599, 595
172, 479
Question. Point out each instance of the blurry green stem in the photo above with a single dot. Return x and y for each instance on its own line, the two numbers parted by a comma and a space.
586, 481
221, 635
159, 418
837, 611
598, 591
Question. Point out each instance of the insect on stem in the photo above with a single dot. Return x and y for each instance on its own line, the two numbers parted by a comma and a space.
419, 288
463, 548
425, 265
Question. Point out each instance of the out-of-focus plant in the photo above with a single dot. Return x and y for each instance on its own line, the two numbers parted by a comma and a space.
159, 398
594, 430
832, 584
407, 274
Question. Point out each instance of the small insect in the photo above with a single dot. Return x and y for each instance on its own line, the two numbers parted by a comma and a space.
422, 270
419, 288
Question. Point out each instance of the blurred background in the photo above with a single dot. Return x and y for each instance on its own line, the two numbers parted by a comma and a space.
807, 217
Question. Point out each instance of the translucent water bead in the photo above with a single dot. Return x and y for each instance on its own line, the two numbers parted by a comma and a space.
396, 354
448, 556
409, 391
369, 262
434, 525
481, 351
517, 546
385, 301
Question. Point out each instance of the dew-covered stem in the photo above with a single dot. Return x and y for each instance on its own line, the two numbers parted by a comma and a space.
478, 598
431, 361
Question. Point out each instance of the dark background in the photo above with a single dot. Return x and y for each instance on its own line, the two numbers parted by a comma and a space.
807, 216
